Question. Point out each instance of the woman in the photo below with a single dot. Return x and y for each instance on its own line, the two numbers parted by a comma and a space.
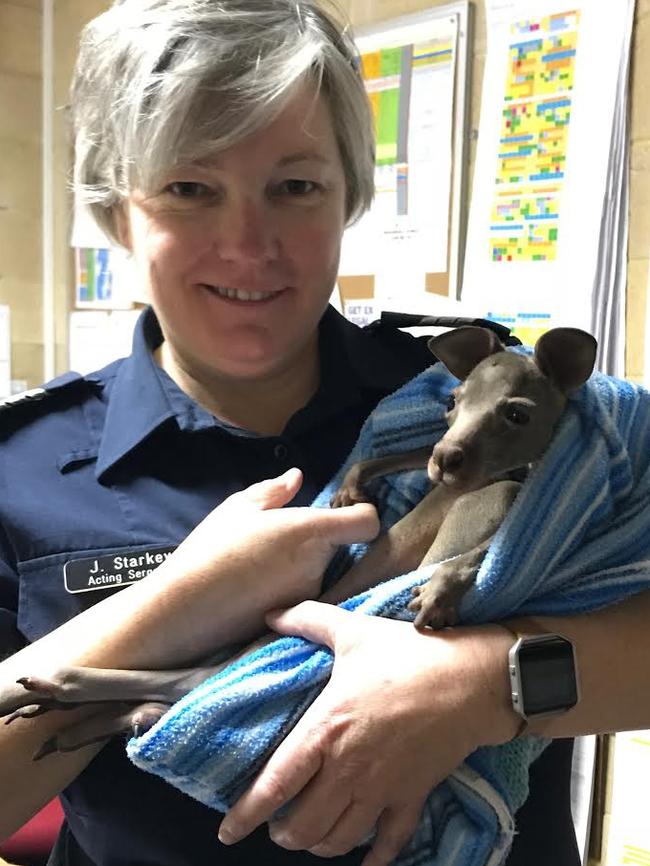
226, 145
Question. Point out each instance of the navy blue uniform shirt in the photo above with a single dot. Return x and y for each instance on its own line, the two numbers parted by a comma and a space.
122, 462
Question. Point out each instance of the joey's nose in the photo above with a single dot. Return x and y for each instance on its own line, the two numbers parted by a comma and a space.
448, 457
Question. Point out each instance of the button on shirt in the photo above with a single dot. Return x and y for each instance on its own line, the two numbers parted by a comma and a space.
124, 462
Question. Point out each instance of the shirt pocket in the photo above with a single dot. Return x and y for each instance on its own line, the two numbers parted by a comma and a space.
49, 594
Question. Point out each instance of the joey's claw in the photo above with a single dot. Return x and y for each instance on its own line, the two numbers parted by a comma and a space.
348, 496
433, 609
48, 748
435, 618
145, 717
22, 697
37, 684
28, 712
111, 719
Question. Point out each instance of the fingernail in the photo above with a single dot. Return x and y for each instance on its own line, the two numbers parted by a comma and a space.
280, 837
227, 836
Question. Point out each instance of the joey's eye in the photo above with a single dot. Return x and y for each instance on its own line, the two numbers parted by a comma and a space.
517, 415
451, 403
187, 189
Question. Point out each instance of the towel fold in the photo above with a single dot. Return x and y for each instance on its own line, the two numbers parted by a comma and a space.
577, 538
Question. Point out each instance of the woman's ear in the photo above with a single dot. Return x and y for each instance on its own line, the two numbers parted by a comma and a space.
122, 225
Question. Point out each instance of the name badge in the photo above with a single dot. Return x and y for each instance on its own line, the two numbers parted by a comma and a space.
115, 569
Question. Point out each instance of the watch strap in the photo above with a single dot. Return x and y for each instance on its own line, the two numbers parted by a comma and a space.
514, 629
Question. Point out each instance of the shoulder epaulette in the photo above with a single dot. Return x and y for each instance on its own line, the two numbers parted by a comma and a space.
38, 397
24, 397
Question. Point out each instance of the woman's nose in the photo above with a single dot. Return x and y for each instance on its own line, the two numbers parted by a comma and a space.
248, 233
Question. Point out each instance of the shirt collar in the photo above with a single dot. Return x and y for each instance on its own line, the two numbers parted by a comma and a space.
143, 396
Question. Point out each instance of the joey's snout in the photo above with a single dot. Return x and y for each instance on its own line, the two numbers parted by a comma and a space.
446, 457
446, 463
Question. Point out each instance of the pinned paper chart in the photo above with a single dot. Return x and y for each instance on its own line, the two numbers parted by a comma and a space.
549, 184
533, 140
400, 250
411, 93
528, 327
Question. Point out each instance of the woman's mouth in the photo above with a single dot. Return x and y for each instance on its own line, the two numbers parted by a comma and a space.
232, 294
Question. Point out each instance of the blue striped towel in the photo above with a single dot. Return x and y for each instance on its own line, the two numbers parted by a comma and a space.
577, 538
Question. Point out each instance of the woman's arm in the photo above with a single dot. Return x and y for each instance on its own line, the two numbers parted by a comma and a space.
247, 556
612, 648
404, 708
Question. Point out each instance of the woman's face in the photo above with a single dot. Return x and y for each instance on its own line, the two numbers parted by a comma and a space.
239, 253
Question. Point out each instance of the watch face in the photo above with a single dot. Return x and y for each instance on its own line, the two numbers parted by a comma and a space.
548, 680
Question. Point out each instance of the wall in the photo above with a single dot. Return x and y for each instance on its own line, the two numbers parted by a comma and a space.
20, 181
20, 195
20, 174
69, 18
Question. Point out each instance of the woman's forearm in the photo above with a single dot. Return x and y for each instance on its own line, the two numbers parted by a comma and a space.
246, 557
127, 630
612, 649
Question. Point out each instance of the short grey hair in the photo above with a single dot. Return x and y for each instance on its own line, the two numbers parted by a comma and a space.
158, 82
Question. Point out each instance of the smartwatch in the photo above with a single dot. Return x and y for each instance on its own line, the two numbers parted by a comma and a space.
543, 673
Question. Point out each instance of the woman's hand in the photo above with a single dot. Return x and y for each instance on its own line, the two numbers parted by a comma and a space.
402, 710
249, 556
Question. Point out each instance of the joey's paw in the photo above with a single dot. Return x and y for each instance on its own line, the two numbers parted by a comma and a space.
348, 495
112, 718
438, 601
66, 688
432, 611
434, 607
29, 697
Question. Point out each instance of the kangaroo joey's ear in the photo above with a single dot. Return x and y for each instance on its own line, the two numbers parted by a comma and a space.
461, 349
566, 356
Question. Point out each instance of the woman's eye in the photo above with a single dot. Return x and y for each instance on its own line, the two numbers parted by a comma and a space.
517, 415
187, 189
296, 187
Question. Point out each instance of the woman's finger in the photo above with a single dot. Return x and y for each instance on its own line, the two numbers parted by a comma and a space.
285, 774
352, 829
394, 828
314, 620
347, 525
270, 493
304, 826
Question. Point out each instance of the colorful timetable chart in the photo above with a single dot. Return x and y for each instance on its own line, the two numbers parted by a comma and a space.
534, 138
528, 327
542, 56
409, 72
393, 76
94, 276
547, 223
524, 225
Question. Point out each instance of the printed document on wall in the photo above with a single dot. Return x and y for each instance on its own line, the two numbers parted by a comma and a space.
409, 73
543, 160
